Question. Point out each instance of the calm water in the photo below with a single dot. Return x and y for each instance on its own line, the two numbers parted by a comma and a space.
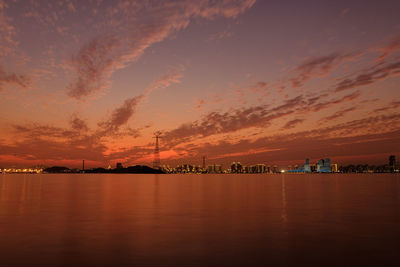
200, 220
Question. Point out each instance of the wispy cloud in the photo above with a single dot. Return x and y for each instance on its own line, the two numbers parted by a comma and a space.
20, 80
292, 123
370, 76
318, 67
392, 47
340, 113
172, 75
8, 44
263, 116
121, 115
93, 65
100, 57
392, 106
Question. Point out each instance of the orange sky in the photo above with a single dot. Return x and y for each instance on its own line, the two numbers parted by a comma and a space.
237, 80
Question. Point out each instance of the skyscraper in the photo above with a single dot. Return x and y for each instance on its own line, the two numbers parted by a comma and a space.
324, 165
392, 160
307, 165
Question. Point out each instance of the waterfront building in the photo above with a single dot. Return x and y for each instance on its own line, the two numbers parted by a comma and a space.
275, 169
334, 167
392, 161
324, 165
268, 169
236, 167
214, 168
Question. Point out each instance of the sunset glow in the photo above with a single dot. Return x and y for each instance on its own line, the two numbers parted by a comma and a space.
235, 80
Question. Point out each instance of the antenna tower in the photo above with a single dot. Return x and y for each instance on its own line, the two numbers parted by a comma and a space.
157, 162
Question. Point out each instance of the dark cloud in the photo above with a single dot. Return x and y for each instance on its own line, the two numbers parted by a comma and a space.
22, 81
317, 67
370, 76
121, 115
292, 123
78, 124
257, 116
339, 113
37, 131
326, 104
352, 138
234, 120
93, 64
391, 106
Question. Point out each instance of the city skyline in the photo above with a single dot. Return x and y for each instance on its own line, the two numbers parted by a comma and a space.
254, 81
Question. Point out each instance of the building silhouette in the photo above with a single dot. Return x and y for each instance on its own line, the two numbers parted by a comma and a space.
392, 160
324, 165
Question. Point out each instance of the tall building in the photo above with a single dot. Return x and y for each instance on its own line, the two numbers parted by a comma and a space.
217, 168
324, 165
260, 168
305, 168
214, 168
236, 167
392, 160
233, 167
275, 169
307, 165
210, 169
269, 168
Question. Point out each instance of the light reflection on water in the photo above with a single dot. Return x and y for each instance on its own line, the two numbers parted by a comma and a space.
203, 220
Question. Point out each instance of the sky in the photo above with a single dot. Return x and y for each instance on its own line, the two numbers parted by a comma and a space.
254, 81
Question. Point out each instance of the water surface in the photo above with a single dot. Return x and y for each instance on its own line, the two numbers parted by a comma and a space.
200, 220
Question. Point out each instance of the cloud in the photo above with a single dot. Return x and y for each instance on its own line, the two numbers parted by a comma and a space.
391, 106
71, 7
39, 131
259, 86
7, 32
392, 47
354, 137
20, 80
318, 67
323, 105
372, 75
78, 124
173, 75
339, 113
100, 57
79, 141
220, 35
199, 103
59, 144
292, 123
257, 116
121, 115
93, 64
234, 120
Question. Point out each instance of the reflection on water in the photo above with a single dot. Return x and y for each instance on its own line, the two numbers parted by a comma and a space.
200, 220
284, 213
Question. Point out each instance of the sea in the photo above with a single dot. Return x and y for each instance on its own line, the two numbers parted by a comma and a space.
200, 220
